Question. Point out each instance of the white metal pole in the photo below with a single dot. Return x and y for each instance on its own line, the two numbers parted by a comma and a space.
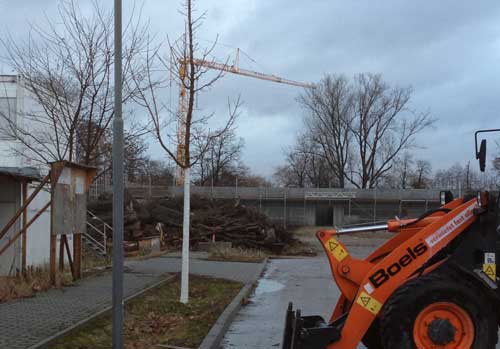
185, 240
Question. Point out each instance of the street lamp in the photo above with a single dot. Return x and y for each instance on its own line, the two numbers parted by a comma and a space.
118, 187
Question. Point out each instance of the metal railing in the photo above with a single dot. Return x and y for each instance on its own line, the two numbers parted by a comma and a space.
99, 237
264, 193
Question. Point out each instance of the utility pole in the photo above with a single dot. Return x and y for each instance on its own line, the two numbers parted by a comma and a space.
118, 187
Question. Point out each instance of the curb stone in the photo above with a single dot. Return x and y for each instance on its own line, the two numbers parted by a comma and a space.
219, 329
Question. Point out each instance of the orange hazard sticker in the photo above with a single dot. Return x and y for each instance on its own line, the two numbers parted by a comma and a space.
336, 249
369, 303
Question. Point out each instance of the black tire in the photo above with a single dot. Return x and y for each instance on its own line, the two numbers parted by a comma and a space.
372, 340
403, 307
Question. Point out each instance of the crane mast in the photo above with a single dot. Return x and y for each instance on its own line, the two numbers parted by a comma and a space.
233, 69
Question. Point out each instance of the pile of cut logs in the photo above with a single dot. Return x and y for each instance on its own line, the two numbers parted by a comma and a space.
211, 220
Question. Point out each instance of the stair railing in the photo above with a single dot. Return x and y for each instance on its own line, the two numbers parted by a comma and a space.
102, 234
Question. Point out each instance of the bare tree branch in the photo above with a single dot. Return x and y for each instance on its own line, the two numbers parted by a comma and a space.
66, 69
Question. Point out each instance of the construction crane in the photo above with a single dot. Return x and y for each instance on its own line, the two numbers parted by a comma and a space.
234, 69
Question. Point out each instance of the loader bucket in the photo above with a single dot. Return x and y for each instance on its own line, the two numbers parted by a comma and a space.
307, 332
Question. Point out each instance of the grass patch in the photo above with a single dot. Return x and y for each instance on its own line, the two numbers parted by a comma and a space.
30, 282
157, 317
299, 248
144, 255
92, 262
236, 254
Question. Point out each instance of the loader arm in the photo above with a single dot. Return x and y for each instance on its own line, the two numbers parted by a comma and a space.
367, 284
342, 273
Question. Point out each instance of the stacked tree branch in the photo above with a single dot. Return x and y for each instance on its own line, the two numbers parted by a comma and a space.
211, 220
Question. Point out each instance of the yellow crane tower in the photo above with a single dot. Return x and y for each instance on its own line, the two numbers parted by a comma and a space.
234, 69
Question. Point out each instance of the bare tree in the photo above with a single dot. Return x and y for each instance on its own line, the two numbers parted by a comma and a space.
357, 131
496, 164
176, 130
155, 172
297, 164
294, 172
383, 126
423, 170
66, 68
401, 172
220, 158
246, 178
329, 108
305, 165
463, 178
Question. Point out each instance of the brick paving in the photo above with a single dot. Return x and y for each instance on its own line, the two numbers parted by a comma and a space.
26, 322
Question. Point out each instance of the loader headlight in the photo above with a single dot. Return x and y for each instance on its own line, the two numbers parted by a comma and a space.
445, 197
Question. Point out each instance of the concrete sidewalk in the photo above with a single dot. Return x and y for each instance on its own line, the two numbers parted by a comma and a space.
27, 322
171, 263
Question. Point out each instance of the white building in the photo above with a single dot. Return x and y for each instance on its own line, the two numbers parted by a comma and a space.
15, 168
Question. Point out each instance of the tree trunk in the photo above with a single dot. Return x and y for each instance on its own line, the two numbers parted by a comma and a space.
185, 239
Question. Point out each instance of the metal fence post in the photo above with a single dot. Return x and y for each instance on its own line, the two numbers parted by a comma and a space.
284, 208
305, 210
260, 199
350, 218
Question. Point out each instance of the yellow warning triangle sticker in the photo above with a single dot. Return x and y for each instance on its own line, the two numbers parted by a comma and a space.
332, 245
335, 249
365, 300
369, 303
490, 270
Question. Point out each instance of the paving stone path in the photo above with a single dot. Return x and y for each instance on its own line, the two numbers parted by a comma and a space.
27, 322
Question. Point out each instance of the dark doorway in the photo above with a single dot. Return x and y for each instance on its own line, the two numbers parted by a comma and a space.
324, 214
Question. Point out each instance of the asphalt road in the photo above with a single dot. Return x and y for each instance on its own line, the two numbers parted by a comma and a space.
306, 281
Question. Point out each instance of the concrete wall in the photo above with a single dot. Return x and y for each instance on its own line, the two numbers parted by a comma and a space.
10, 260
38, 235
337, 213
9, 89
315, 206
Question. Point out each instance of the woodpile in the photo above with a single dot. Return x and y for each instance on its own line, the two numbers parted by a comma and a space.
211, 220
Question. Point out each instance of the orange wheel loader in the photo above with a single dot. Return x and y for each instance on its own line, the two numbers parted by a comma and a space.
433, 285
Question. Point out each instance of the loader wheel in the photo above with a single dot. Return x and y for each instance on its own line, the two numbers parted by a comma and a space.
372, 337
436, 312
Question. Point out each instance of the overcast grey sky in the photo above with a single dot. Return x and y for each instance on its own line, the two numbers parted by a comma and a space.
447, 50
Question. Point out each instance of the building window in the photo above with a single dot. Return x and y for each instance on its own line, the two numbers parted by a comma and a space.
7, 117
